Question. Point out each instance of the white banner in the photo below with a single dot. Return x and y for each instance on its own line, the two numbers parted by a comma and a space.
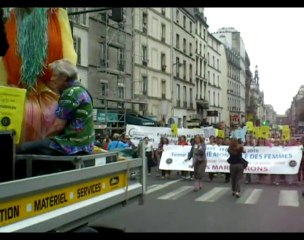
262, 160
155, 133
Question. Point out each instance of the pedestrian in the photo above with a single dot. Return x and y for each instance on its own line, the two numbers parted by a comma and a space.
237, 167
183, 142
116, 143
212, 141
149, 153
106, 141
165, 173
199, 160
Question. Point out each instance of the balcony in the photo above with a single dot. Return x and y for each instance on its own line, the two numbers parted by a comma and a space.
121, 67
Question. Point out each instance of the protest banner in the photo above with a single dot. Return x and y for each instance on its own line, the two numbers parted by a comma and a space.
262, 160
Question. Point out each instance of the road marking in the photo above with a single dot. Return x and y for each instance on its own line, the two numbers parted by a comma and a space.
250, 196
152, 186
213, 194
159, 187
176, 193
289, 198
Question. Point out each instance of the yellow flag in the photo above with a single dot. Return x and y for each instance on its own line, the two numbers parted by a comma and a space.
249, 126
174, 129
12, 104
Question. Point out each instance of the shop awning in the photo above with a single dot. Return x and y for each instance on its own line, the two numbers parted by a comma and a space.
139, 120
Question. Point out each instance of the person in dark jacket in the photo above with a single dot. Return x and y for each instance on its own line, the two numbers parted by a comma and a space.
235, 160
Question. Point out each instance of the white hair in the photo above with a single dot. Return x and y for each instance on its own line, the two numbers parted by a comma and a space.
64, 67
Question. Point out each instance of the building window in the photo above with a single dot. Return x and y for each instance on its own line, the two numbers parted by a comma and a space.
190, 72
163, 84
201, 89
77, 47
218, 64
177, 41
204, 33
144, 22
177, 16
213, 79
218, 99
84, 17
185, 96
104, 89
178, 95
163, 11
163, 32
185, 69
213, 61
121, 92
208, 76
196, 47
191, 96
200, 52
163, 62
204, 54
177, 67
209, 96
144, 55
218, 81
190, 27
214, 104
121, 59
201, 67
102, 54
190, 49
184, 45
184, 22
144, 85
208, 58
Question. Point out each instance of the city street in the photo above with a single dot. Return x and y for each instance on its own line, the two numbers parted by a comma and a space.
172, 206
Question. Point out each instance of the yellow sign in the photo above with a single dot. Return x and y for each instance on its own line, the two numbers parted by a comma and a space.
12, 104
174, 129
23, 208
249, 126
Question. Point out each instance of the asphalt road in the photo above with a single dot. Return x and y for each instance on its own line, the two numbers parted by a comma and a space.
172, 206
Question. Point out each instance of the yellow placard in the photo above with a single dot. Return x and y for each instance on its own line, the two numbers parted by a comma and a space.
12, 104
264, 132
221, 133
256, 132
27, 207
249, 126
174, 129
285, 134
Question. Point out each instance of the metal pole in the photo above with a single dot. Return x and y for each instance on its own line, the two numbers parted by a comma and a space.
144, 167
89, 11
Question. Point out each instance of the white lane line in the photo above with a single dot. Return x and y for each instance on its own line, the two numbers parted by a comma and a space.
251, 197
156, 188
289, 198
213, 194
152, 186
176, 193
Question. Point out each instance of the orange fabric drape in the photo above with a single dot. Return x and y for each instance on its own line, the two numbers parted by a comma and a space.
12, 60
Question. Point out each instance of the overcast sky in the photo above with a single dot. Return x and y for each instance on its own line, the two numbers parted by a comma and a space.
274, 40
